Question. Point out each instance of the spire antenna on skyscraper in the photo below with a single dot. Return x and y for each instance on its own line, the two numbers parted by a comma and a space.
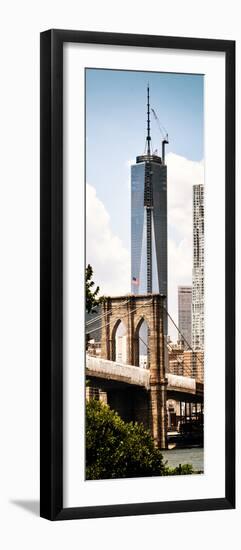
148, 137
149, 221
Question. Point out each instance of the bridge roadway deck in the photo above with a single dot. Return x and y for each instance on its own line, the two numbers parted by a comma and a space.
117, 374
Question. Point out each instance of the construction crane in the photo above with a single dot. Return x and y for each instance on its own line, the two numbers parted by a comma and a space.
164, 135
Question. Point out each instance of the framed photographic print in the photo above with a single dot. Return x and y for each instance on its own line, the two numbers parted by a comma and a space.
137, 274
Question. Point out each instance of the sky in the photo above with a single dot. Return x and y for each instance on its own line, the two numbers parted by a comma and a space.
115, 135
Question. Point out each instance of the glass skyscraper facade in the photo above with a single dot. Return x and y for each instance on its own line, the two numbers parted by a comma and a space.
149, 227
149, 221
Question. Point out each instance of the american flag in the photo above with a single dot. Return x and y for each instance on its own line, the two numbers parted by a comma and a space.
135, 281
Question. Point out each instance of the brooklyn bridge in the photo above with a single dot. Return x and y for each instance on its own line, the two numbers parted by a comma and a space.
141, 393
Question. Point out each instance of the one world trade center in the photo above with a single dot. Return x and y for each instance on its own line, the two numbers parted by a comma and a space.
149, 219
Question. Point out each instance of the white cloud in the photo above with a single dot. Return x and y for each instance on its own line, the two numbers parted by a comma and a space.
104, 250
182, 174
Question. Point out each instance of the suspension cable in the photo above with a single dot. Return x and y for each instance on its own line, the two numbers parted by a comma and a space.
186, 342
145, 304
98, 317
190, 369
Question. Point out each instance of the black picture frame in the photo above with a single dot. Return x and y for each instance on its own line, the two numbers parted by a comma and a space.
51, 323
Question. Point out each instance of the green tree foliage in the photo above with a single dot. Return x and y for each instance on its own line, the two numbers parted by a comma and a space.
91, 294
117, 449
182, 469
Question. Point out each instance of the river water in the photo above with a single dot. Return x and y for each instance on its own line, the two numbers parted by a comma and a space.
194, 456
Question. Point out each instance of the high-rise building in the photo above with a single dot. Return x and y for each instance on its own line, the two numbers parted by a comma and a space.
149, 219
198, 269
121, 351
185, 314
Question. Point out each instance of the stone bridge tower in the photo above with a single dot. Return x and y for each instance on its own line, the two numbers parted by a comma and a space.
132, 310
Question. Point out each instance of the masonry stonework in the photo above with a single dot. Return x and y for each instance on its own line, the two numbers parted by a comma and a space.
132, 310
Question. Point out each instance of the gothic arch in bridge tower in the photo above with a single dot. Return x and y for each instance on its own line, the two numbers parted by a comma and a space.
118, 342
133, 310
141, 343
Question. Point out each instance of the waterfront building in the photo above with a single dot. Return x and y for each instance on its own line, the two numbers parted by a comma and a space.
193, 364
185, 362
